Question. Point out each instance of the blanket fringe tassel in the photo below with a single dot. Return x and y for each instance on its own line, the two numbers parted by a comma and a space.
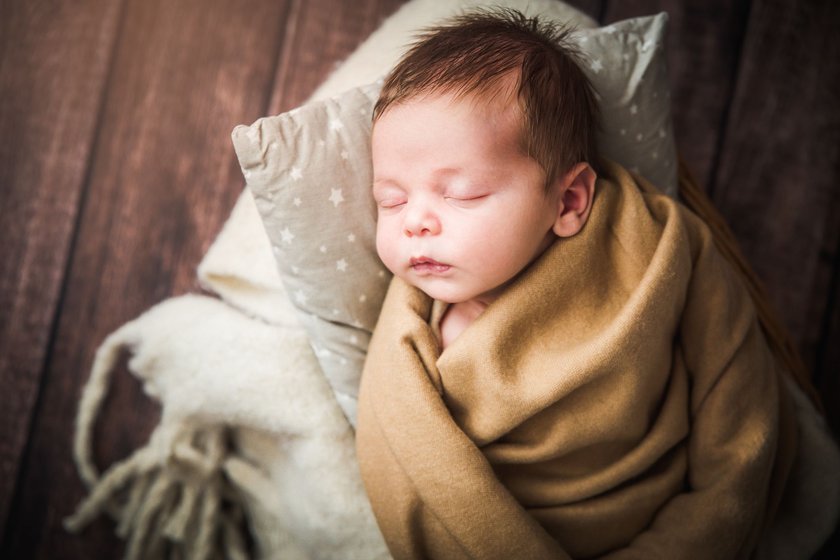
171, 498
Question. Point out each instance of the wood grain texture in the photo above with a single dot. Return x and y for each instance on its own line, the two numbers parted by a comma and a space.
703, 44
319, 35
163, 180
780, 159
53, 66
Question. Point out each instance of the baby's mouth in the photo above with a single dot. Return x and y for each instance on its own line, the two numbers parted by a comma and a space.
427, 266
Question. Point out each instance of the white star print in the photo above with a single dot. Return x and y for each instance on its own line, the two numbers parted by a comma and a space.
287, 235
336, 197
301, 297
634, 109
639, 137
341, 265
297, 201
336, 124
351, 237
295, 270
596, 66
295, 174
345, 154
354, 339
662, 133
321, 143
323, 248
362, 298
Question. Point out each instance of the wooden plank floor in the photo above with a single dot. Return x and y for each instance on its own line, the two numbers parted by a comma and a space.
116, 173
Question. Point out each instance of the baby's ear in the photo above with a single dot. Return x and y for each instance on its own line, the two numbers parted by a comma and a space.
575, 191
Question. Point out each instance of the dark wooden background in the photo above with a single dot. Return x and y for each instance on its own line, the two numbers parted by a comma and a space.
117, 172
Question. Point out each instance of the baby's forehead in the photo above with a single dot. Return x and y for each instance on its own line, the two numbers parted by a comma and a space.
496, 106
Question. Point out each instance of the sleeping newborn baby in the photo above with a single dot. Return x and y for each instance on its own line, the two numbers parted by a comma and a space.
462, 208
564, 366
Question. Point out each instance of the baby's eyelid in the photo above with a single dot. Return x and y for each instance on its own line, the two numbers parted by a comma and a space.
388, 196
466, 197
391, 202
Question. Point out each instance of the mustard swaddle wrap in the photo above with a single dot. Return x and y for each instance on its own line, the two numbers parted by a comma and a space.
618, 399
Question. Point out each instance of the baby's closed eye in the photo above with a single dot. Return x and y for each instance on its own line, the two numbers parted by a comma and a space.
390, 202
387, 197
465, 200
465, 190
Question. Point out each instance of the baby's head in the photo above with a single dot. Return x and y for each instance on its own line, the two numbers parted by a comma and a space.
482, 141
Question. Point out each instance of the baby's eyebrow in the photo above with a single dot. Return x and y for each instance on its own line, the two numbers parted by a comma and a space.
447, 171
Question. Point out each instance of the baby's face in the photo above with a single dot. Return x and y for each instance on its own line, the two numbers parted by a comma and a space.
461, 210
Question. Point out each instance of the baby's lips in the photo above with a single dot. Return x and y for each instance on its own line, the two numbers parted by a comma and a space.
424, 260
425, 266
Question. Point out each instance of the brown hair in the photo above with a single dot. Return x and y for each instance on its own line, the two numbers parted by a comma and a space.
473, 53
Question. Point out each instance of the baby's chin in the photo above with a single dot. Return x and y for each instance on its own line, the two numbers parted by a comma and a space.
433, 288
445, 294
447, 289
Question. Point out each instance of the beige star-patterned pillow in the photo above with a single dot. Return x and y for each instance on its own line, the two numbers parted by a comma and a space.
310, 173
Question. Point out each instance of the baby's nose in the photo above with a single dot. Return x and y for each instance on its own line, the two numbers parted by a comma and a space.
420, 220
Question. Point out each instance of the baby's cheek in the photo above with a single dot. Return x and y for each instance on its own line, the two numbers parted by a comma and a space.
386, 246
509, 254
